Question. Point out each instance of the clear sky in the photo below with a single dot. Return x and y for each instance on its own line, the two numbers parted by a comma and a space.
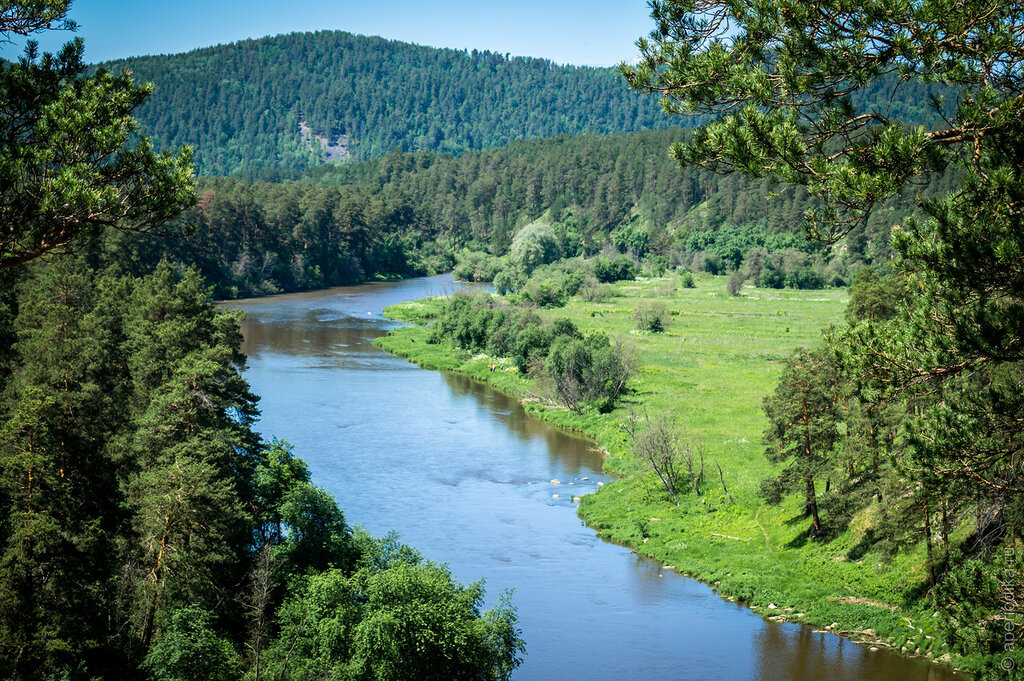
582, 32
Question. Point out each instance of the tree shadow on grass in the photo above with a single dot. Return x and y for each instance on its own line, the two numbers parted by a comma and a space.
915, 592
802, 538
866, 543
796, 520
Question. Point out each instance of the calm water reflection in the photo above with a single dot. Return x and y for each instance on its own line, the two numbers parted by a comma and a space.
464, 475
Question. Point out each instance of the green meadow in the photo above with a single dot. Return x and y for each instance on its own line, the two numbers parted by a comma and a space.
709, 372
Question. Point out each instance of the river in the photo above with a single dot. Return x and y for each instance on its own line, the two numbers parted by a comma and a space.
464, 475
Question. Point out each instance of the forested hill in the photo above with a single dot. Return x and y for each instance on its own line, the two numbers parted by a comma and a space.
278, 102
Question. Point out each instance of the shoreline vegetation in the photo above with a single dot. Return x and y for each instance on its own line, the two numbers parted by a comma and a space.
708, 372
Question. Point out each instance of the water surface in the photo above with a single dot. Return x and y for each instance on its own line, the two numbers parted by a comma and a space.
464, 475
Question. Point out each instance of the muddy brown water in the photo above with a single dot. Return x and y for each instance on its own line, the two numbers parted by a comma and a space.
464, 475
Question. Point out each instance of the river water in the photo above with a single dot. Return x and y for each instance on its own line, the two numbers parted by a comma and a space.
464, 475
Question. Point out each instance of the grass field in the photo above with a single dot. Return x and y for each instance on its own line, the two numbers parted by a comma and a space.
710, 371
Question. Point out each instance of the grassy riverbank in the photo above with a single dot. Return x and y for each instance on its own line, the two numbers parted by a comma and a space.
710, 371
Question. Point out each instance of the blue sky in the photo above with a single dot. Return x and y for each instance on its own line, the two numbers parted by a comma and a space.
594, 32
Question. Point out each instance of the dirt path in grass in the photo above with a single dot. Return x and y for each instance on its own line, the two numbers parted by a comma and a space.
767, 544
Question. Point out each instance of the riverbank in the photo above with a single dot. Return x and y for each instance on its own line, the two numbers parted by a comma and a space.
709, 372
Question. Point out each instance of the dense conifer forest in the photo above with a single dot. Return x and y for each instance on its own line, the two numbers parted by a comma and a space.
241, 105
294, 101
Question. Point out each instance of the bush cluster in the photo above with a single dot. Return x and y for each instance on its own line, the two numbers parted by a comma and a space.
586, 368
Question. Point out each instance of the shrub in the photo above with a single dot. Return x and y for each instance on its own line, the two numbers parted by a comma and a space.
593, 291
508, 281
805, 278
706, 261
588, 371
619, 269
771, 277
658, 265
477, 266
191, 648
734, 284
650, 317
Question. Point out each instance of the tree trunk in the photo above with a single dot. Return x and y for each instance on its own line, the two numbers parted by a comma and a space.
812, 505
155, 575
945, 534
722, 478
928, 544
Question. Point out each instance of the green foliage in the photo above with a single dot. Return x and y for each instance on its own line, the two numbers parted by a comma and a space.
617, 269
66, 171
470, 321
548, 292
296, 100
533, 246
709, 376
791, 87
979, 609
805, 277
59, 504
411, 213
632, 239
316, 536
876, 298
132, 486
771, 277
779, 114
507, 281
397, 617
802, 431
476, 266
129, 465
593, 291
734, 284
660, 448
551, 285
190, 649
588, 370
651, 317
277, 477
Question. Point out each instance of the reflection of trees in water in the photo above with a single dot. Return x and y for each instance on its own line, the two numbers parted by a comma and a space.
797, 652
284, 323
307, 336
573, 454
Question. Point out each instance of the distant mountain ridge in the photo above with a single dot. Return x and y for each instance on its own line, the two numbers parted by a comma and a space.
297, 100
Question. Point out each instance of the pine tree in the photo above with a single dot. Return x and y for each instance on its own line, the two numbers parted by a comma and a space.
803, 418
60, 503
66, 173
192, 489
